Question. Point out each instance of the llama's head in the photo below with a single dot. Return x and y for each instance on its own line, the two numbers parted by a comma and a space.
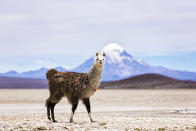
100, 58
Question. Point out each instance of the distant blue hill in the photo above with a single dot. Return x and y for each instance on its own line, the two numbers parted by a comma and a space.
36, 74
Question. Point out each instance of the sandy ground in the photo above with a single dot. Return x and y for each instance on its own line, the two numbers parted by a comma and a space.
111, 109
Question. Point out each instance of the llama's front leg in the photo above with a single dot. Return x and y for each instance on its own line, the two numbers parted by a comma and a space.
86, 102
74, 106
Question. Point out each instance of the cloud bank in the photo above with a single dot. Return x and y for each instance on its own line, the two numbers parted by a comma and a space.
79, 28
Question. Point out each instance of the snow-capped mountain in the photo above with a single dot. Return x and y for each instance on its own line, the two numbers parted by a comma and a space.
120, 64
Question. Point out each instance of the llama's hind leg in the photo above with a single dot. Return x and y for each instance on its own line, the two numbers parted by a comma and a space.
74, 107
53, 103
48, 105
50, 108
86, 102
52, 111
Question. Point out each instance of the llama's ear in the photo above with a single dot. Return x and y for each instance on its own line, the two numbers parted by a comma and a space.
103, 53
97, 53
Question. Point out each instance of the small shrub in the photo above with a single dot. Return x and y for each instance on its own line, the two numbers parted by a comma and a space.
138, 129
39, 128
161, 129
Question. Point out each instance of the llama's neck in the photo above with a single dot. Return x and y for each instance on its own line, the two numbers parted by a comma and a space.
95, 75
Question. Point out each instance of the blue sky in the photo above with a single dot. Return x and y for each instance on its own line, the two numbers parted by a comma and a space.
48, 33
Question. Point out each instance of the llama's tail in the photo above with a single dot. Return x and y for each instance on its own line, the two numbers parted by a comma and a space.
50, 73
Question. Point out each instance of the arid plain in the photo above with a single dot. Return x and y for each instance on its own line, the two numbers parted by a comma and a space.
111, 109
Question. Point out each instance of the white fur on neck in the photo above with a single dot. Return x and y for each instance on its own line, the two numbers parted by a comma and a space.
95, 75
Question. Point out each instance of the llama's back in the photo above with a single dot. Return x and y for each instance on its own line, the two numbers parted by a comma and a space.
71, 78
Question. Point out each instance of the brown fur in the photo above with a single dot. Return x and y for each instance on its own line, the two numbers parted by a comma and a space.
70, 84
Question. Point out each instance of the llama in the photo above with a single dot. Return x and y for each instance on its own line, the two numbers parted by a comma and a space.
75, 86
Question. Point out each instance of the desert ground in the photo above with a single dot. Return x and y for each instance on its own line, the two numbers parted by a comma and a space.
112, 110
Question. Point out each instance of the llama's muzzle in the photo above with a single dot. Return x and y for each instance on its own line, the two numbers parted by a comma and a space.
100, 62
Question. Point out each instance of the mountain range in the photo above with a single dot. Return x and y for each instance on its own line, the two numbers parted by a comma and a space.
119, 64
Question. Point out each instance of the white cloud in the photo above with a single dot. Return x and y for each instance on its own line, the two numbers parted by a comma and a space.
80, 28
